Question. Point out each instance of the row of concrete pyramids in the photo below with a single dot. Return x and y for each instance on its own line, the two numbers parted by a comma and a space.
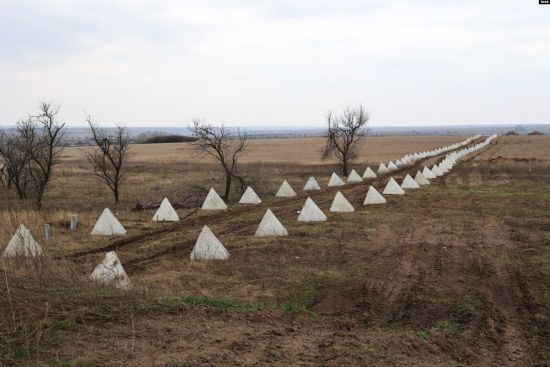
208, 247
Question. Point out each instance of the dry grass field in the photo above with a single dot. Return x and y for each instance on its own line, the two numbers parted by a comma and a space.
453, 274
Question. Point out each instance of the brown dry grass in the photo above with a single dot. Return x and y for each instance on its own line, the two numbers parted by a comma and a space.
454, 274
519, 147
158, 170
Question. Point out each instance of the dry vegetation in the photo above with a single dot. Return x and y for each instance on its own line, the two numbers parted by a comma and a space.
454, 274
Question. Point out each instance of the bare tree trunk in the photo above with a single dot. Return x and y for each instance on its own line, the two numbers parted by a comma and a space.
345, 167
228, 180
115, 192
109, 159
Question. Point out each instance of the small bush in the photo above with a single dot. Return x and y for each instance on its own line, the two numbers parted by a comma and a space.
511, 133
535, 133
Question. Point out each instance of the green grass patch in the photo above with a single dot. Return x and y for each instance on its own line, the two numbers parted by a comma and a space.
469, 305
195, 301
447, 327
22, 342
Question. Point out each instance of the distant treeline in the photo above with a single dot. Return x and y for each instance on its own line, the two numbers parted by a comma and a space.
159, 137
169, 139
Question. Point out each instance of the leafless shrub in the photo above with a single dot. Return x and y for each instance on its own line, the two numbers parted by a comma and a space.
46, 148
344, 134
30, 152
108, 161
222, 145
15, 149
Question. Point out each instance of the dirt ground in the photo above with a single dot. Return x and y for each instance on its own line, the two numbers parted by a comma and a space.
453, 274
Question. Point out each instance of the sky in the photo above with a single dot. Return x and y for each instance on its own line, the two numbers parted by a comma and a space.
276, 63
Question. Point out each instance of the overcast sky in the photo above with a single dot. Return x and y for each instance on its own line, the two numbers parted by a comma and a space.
285, 62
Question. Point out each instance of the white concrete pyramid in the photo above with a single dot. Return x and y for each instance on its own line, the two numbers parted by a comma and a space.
421, 179
409, 183
22, 244
393, 188
436, 171
110, 272
108, 225
443, 168
369, 173
392, 166
285, 191
382, 170
270, 226
335, 180
208, 247
341, 204
250, 197
354, 177
213, 201
311, 184
311, 213
166, 212
428, 174
374, 197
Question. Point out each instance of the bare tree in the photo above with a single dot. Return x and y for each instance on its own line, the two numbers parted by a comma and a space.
108, 161
222, 145
46, 149
344, 134
16, 147
5, 177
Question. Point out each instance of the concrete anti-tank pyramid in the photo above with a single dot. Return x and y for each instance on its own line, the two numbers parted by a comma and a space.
22, 244
166, 212
392, 166
409, 183
369, 173
110, 272
354, 177
311, 213
108, 225
374, 197
428, 174
213, 201
270, 226
382, 170
393, 188
311, 184
208, 247
335, 180
250, 197
285, 191
436, 171
341, 204
421, 179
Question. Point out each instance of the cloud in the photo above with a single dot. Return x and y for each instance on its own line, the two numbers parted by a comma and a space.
284, 62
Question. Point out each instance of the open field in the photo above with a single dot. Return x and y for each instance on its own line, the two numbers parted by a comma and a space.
454, 274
